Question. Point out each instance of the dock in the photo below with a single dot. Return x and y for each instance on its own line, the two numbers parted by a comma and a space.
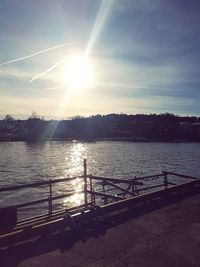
102, 197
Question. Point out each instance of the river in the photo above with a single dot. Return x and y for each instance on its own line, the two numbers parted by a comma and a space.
22, 162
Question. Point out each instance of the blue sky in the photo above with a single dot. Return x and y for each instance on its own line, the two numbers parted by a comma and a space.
144, 56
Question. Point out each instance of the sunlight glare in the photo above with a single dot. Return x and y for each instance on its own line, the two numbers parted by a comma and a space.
74, 159
78, 72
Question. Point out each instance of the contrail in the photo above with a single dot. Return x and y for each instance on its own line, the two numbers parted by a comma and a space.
48, 70
35, 54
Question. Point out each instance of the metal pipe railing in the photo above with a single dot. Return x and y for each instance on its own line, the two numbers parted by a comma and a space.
37, 184
31, 203
106, 183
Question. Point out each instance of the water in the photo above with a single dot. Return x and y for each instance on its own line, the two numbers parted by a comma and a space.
22, 162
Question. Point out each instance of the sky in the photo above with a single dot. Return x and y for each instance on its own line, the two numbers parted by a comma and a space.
143, 55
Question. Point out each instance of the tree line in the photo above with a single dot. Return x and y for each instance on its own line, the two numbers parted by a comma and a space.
139, 127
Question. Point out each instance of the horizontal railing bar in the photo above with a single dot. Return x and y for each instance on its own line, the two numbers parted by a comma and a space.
182, 175
36, 184
22, 205
105, 195
44, 200
149, 187
65, 179
150, 176
127, 180
116, 180
67, 195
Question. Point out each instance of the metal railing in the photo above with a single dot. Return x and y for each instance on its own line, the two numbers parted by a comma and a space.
96, 189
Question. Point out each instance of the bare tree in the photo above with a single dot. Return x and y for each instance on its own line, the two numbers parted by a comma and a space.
9, 118
34, 115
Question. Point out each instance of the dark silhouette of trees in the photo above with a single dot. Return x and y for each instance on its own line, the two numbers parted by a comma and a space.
139, 127
8, 118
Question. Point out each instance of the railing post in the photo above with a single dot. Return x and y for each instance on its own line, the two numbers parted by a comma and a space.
94, 199
104, 198
91, 191
165, 182
50, 198
93, 196
133, 185
85, 182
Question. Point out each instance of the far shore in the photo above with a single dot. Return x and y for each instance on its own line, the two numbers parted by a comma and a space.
93, 140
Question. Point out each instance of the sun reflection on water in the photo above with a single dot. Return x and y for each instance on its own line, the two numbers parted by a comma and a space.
75, 200
74, 159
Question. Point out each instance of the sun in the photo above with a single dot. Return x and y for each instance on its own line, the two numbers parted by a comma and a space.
78, 72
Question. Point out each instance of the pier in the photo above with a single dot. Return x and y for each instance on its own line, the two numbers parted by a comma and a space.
102, 196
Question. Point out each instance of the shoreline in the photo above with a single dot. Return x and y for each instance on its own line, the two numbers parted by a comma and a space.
93, 140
